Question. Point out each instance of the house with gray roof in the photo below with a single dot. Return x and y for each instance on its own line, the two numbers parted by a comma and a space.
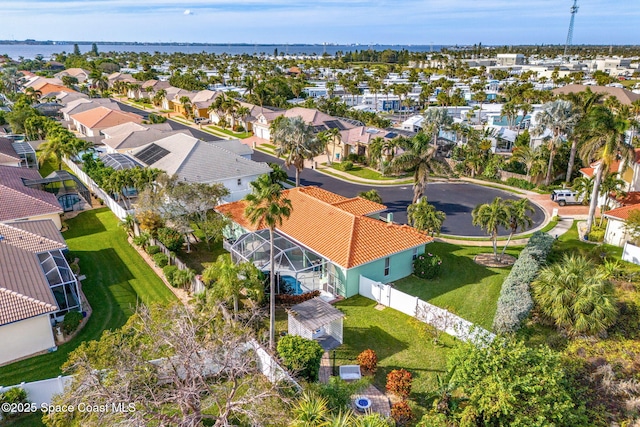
128, 136
37, 287
193, 160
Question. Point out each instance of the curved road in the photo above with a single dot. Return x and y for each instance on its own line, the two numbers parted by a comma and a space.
457, 199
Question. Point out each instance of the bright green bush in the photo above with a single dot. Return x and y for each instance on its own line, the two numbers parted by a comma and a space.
71, 321
520, 183
346, 166
13, 395
152, 250
301, 356
169, 272
427, 266
161, 260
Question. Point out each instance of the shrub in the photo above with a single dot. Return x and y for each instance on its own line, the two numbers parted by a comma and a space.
301, 356
401, 413
515, 302
338, 392
11, 396
169, 272
368, 361
399, 382
346, 166
153, 249
161, 260
71, 321
170, 238
287, 299
520, 183
427, 266
355, 158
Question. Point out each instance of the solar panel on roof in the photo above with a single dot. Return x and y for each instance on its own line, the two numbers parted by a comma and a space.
334, 124
391, 135
151, 154
319, 128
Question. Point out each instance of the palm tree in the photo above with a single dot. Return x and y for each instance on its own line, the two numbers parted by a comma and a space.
576, 295
371, 195
490, 217
424, 217
437, 119
375, 151
560, 117
583, 186
60, 143
266, 206
417, 157
519, 218
231, 279
531, 158
310, 411
296, 140
185, 101
605, 144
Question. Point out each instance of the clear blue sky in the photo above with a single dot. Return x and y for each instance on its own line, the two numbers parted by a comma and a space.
315, 21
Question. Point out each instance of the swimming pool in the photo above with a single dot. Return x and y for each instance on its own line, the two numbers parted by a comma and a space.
293, 284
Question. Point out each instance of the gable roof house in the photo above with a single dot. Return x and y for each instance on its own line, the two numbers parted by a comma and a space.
327, 242
23, 203
128, 136
626, 97
193, 160
91, 122
83, 104
149, 88
173, 93
36, 287
19, 154
78, 73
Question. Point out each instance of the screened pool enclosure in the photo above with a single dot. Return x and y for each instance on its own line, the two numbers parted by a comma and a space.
298, 268
62, 282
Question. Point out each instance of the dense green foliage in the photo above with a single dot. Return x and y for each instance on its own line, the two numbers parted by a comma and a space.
301, 356
71, 321
515, 302
160, 259
427, 266
170, 238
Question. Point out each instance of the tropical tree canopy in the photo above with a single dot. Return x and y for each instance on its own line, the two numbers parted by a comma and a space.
424, 217
296, 141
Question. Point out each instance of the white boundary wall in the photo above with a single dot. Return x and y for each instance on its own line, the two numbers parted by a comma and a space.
410, 305
631, 253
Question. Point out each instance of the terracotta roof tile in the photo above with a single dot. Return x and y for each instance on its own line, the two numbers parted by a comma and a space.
623, 212
15, 306
11, 234
319, 222
360, 206
103, 117
630, 198
19, 201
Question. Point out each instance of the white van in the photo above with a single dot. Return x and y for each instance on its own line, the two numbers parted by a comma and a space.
566, 197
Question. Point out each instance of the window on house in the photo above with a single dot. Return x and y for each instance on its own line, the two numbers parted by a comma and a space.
239, 181
387, 263
415, 253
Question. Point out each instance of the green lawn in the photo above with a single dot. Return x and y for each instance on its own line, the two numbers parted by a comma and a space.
398, 342
200, 256
569, 242
366, 173
467, 289
239, 135
117, 280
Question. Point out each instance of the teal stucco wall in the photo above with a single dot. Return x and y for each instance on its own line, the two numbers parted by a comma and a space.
401, 265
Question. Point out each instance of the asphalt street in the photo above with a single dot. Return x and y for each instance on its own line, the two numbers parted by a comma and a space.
457, 199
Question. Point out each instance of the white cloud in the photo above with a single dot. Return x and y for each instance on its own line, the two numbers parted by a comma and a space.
188, 12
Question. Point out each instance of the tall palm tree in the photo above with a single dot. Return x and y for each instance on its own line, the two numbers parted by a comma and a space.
185, 101
418, 157
231, 279
60, 143
519, 218
296, 140
490, 217
531, 158
424, 217
576, 295
266, 206
436, 120
560, 117
605, 132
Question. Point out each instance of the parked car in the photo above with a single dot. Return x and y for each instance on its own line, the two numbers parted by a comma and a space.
201, 120
566, 197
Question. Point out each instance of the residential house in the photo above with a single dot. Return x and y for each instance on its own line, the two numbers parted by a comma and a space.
319, 120
128, 136
247, 121
48, 88
23, 203
84, 104
78, 73
626, 97
14, 153
37, 287
173, 93
121, 77
199, 101
327, 242
149, 88
193, 160
89, 123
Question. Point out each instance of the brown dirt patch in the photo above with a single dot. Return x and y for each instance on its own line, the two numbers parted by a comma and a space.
488, 260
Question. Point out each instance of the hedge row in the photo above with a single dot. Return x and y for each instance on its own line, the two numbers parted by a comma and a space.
287, 299
515, 302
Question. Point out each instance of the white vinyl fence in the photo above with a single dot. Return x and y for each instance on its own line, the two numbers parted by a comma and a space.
413, 306
631, 253
197, 286
118, 210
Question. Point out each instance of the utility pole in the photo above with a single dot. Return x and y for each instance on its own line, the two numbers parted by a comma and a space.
574, 11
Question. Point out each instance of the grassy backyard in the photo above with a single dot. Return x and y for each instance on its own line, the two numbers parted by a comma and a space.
463, 287
117, 280
366, 173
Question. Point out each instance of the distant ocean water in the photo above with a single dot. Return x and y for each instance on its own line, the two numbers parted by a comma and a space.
29, 51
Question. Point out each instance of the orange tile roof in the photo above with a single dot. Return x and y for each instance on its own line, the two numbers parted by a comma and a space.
103, 117
614, 167
48, 88
623, 212
360, 206
630, 198
348, 239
